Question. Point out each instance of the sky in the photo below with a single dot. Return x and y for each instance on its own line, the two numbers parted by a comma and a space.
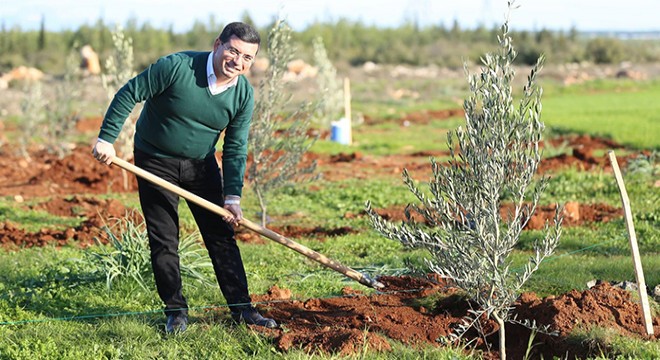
584, 15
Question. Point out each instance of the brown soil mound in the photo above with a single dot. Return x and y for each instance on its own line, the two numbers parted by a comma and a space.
347, 324
77, 173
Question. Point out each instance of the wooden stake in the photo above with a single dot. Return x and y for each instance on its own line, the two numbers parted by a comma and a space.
639, 272
347, 108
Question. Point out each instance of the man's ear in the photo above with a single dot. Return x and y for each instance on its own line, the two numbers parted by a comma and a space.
217, 44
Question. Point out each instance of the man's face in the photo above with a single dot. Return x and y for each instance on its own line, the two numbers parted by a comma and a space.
233, 58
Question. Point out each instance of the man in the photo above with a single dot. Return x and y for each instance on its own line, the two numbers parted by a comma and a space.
190, 99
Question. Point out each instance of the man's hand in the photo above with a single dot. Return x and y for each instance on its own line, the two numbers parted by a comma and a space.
233, 205
104, 152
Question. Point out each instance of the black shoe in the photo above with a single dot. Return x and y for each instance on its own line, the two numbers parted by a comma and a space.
176, 323
251, 316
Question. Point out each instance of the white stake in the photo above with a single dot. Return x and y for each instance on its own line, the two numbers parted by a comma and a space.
639, 272
347, 108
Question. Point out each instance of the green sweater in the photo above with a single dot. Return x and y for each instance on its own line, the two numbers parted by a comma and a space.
181, 118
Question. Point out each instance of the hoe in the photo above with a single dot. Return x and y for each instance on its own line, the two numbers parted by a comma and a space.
332, 264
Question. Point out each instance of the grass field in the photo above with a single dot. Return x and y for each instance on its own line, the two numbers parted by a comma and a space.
53, 305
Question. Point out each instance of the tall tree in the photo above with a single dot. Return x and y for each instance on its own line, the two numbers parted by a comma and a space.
41, 40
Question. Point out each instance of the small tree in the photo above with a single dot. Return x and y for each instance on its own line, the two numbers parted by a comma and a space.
329, 87
33, 116
277, 142
64, 114
51, 123
118, 70
497, 157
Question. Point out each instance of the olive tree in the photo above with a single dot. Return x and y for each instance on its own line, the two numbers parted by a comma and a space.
278, 139
118, 70
493, 157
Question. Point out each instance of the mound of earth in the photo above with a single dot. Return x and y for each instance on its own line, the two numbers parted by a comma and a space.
349, 323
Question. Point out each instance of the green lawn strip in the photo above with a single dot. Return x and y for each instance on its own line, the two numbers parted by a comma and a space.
626, 114
326, 204
27, 217
393, 137
564, 272
32, 220
137, 338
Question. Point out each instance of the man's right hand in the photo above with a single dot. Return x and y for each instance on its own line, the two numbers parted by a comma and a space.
104, 151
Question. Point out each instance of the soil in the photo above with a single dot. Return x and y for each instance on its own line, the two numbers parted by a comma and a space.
346, 324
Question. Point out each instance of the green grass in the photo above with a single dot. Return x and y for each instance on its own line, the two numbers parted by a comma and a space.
33, 220
393, 137
629, 115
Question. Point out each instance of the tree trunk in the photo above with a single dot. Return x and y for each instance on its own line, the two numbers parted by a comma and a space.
262, 205
500, 322
124, 175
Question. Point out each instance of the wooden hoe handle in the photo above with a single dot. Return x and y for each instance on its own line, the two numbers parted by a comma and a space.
334, 265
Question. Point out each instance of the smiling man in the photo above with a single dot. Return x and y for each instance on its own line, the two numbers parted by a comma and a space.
190, 99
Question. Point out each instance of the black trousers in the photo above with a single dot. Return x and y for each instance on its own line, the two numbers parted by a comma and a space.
160, 208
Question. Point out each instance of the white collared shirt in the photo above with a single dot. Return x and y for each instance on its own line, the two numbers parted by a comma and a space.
210, 75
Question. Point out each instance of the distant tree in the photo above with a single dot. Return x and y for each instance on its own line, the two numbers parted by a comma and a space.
329, 87
41, 42
246, 18
605, 51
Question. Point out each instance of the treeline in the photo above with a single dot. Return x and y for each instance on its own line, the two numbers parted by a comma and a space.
347, 42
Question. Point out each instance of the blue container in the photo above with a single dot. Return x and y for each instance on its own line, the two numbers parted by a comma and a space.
341, 131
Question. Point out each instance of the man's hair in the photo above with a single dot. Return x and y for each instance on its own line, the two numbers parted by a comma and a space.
242, 31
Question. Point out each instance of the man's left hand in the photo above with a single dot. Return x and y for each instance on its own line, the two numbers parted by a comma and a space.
233, 205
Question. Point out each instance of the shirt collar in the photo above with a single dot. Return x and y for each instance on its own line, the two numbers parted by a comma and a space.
210, 74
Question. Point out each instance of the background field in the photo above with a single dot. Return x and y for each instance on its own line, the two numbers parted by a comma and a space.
54, 304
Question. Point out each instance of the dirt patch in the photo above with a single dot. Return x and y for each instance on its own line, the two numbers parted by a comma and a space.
294, 232
348, 323
79, 173
574, 213
95, 214
419, 117
45, 174
582, 148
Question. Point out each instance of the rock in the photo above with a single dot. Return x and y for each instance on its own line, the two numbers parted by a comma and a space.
260, 65
626, 285
24, 73
572, 210
656, 292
